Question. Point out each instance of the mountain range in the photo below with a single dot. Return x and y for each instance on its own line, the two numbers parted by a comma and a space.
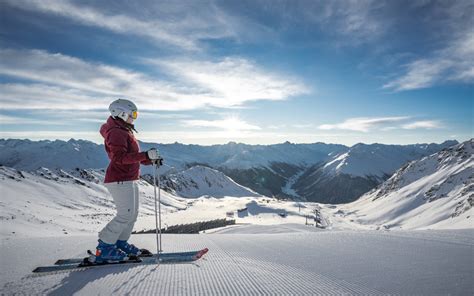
320, 172
435, 190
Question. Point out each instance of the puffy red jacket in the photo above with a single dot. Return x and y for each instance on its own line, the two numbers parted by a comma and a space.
123, 151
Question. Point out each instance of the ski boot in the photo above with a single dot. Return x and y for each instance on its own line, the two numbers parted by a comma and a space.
109, 253
131, 250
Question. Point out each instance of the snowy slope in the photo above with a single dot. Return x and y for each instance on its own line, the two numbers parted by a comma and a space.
350, 174
57, 202
52, 202
378, 160
272, 263
434, 192
200, 181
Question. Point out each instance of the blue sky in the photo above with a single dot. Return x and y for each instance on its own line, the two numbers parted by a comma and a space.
257, 72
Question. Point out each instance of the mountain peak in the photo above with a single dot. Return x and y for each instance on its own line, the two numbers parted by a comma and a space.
200, 180
435, 190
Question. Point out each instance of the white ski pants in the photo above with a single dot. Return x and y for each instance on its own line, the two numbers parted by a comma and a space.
125, 195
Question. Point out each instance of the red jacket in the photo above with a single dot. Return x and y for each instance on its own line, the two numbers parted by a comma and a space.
123, 151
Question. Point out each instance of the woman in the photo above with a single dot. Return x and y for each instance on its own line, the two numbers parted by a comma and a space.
121, 181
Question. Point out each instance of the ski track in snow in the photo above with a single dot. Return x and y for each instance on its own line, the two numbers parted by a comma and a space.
279, 262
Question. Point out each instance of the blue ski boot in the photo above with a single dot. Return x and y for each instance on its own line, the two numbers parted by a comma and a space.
107, 253
131, 250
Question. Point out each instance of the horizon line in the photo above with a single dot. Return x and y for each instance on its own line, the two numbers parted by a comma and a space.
240, 143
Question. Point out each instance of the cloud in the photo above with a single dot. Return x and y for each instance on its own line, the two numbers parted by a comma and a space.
451, 62
420, 74
58, 81
354, 22
426, 124
359, 19
18, 120
363, 124
367, 124
303, 125
181, 25
233, 81
52, 135
230, 124
454, 63
41, 96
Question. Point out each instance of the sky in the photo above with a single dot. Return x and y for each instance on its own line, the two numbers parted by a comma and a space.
256, 72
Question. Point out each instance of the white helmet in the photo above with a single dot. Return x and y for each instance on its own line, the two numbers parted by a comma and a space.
123, 109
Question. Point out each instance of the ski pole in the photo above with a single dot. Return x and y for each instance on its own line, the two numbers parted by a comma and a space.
159, 208
156, 214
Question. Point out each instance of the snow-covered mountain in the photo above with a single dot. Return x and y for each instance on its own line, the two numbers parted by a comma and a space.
377, 160
204, 181
31, 155
434, 192
349, 174
316, 172
263, 168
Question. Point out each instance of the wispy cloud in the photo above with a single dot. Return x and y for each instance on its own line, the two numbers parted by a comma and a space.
181, 25
59, 81
363, 124
451, 62
367, 124
303, 125
230, 124
42, 96
18, 120
233, 81
354, 22
454, 63
425, 124
420, 74
51, 135
359, 19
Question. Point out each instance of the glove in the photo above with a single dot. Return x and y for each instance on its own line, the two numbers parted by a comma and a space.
153, 154
158, 162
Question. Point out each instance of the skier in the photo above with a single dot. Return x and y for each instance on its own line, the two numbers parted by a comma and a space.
121, 181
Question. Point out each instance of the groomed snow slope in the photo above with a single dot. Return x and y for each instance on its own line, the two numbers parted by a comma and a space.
302, 263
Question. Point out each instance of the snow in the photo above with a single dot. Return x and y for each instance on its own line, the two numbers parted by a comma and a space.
410, 235
296, 263
198, 181
377, 160
435, 192
30, 155
47, 202
55, 202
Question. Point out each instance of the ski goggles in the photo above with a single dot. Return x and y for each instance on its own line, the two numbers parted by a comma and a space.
134, 114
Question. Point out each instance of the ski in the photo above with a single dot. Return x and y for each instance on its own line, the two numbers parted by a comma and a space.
162, 255
86, 263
